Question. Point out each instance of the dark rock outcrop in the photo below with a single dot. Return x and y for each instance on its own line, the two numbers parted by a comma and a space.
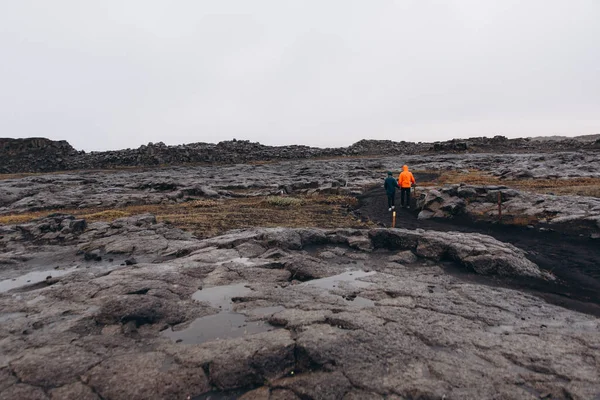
35, 155
43, 155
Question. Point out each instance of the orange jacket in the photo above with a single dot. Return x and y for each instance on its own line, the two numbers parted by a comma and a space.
406, 178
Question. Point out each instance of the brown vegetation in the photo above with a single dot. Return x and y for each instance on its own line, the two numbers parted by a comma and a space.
211, 217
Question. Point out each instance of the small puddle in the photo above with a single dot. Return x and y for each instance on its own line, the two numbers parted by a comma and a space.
220, 296
32, 278
349, 276
332, 282
226, 324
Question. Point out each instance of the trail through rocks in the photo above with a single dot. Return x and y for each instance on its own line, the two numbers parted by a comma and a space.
574, 260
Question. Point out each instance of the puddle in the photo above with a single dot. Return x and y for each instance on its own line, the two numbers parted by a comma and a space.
220, 296
32, 278
226, 324
331, 282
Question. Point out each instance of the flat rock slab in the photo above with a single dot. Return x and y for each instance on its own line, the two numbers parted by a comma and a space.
351, 314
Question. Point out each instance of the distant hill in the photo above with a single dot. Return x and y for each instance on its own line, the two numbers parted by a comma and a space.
583, 138
44, 155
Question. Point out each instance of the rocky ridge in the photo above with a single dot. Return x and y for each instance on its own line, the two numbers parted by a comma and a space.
326, 314
573, 213
44, 155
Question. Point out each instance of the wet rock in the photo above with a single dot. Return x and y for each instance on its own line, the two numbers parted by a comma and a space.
358, 394
482, 253
24, 392
139, 309
404, 257
74, 391
130, 261
92, 255
6, 379
304, 268
243, 362
360, 242
280, 237
199, 190
292, 318
77, 225
317, 385
363, 324
466, 192
251, 249
53, 366
149, 375
394, 239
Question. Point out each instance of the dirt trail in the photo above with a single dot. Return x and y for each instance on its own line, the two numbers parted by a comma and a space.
575, 261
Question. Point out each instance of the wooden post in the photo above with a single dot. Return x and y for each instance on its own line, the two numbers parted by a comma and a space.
499, 206
394, 219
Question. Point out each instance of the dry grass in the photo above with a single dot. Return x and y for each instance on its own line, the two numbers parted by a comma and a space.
520, 220
472, 177
106, 215
572, 186
201, 203
210, 217
280, 201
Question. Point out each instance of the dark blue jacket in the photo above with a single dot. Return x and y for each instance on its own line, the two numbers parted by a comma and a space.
390, 185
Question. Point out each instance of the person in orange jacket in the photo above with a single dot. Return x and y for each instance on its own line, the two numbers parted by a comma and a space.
405, 180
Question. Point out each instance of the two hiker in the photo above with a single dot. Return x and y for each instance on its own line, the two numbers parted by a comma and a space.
404, 183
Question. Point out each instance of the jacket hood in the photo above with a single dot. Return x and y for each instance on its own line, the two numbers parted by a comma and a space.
405, 167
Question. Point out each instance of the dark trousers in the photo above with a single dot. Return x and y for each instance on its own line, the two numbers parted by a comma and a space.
391, 199
405, 197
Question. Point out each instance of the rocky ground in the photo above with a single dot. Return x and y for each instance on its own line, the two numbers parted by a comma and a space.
108, 189
457, 304
145, 311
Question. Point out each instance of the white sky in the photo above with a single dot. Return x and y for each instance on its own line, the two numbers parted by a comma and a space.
120, 73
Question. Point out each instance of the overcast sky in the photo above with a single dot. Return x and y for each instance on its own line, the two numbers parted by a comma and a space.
120, 73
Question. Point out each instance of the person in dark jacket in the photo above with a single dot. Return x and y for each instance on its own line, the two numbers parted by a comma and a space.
390, 186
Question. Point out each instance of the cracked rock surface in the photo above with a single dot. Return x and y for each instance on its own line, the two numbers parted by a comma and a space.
574, 213
280, 314
108, 189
